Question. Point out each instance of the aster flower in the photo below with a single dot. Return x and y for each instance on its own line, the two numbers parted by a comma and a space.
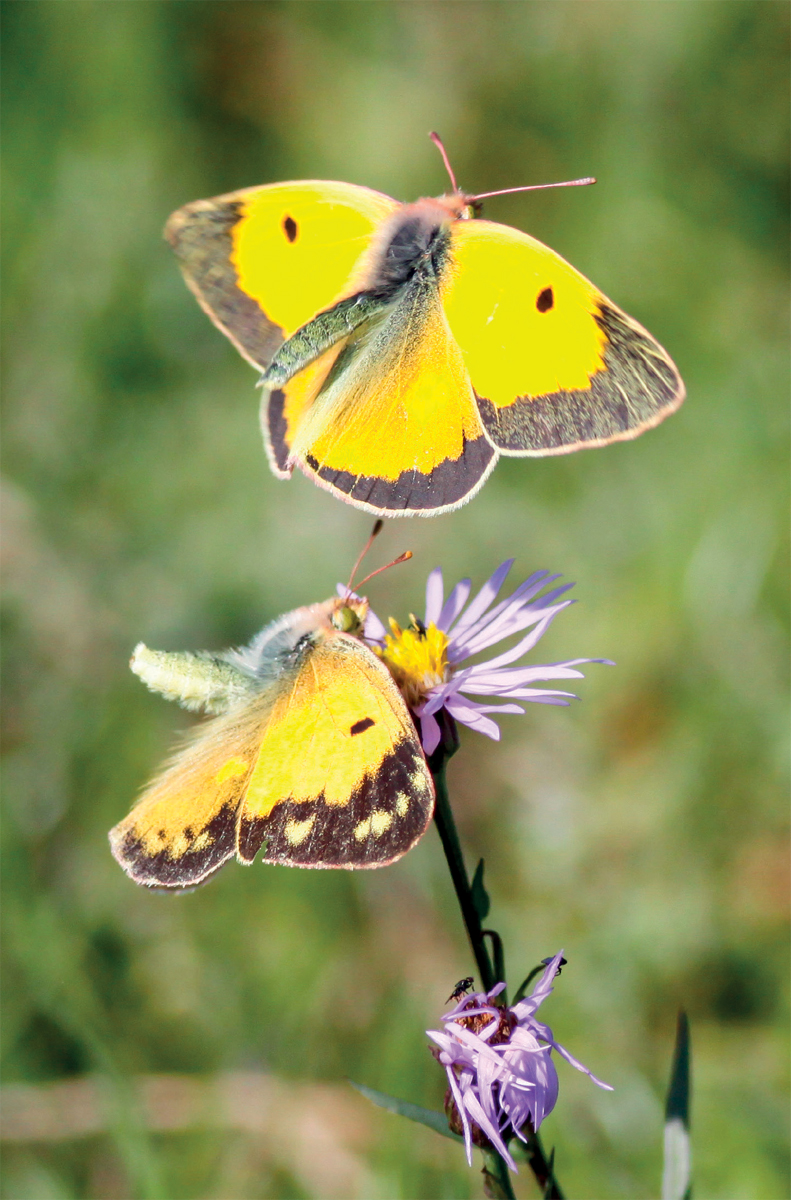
426, 658
501, 1078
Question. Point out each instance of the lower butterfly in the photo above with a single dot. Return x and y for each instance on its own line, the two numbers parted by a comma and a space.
311, 758
405, 347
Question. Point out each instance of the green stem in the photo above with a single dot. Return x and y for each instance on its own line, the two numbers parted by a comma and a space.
542, 1168
496, 1174
497, 1179
446, 827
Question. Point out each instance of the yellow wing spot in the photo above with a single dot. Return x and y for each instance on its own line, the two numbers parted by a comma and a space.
297, 831
402, 804
418, 777
232, 769
202, 841
179, 846
378, 823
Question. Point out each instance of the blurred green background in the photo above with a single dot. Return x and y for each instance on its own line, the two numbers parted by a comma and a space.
644, 830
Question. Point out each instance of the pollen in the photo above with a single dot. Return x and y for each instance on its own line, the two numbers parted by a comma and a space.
416, 658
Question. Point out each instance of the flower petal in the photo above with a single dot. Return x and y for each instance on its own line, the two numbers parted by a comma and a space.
429, 732
523, 594
434, 593
465, 1121
507, 676
454, 604
480, 1118
563, 1052
374, 629
485, 596
515, 612
509, 624
465, 713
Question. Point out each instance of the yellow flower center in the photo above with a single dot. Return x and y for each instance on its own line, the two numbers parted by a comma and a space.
416, 658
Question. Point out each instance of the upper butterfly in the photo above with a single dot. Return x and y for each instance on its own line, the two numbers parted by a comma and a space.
404, 347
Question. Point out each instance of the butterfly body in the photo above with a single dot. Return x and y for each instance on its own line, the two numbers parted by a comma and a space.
312, 759
404, 347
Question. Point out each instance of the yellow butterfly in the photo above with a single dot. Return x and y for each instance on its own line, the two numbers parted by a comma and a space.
404, 347
313, 758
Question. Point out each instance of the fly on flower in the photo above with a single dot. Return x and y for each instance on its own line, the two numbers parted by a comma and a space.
427, 658
502, 1081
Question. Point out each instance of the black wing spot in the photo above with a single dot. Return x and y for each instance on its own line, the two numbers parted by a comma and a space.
545, 300
290, 228
189, 832
361, 726
162, 835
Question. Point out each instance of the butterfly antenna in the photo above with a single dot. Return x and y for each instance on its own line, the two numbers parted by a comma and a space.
377, 529
533, 187
437, 140
401, 558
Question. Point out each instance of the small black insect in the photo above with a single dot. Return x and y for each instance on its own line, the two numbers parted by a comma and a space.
461, 989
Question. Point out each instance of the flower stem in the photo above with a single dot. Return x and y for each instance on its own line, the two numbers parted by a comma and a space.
496, 1180
542, 1168
446, 827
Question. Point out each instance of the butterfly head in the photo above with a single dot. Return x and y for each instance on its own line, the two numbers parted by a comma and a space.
348, 614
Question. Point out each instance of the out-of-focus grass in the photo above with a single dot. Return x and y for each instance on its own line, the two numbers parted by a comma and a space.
643, 830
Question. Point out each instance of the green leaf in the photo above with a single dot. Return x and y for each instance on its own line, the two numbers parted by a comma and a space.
549, 1190
413, 1112
677, 1168
521, 991
480, 896
678, 1093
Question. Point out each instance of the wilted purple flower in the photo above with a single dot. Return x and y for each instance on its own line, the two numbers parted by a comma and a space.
425, 658
499, 1064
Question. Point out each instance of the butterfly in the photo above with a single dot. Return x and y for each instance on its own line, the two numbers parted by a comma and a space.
311, 758
405, 347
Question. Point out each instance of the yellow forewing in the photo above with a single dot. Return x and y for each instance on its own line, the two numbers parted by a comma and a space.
263, 261
296, 245
491, 298
555, 365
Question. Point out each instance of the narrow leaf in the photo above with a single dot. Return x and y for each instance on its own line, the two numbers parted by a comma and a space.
498, 956
413, 1112
480, 897
677, 1170
678, 1093
549, 1190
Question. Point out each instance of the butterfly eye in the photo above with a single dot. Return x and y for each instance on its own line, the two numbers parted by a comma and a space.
346, 620
290, 228
545, 300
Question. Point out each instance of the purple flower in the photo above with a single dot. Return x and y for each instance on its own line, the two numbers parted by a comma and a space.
425, 658
498, 1061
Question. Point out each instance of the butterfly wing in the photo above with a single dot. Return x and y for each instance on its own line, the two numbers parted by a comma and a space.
555, 365
340, 779
263, 261
183, 827
387, 417
324, 765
